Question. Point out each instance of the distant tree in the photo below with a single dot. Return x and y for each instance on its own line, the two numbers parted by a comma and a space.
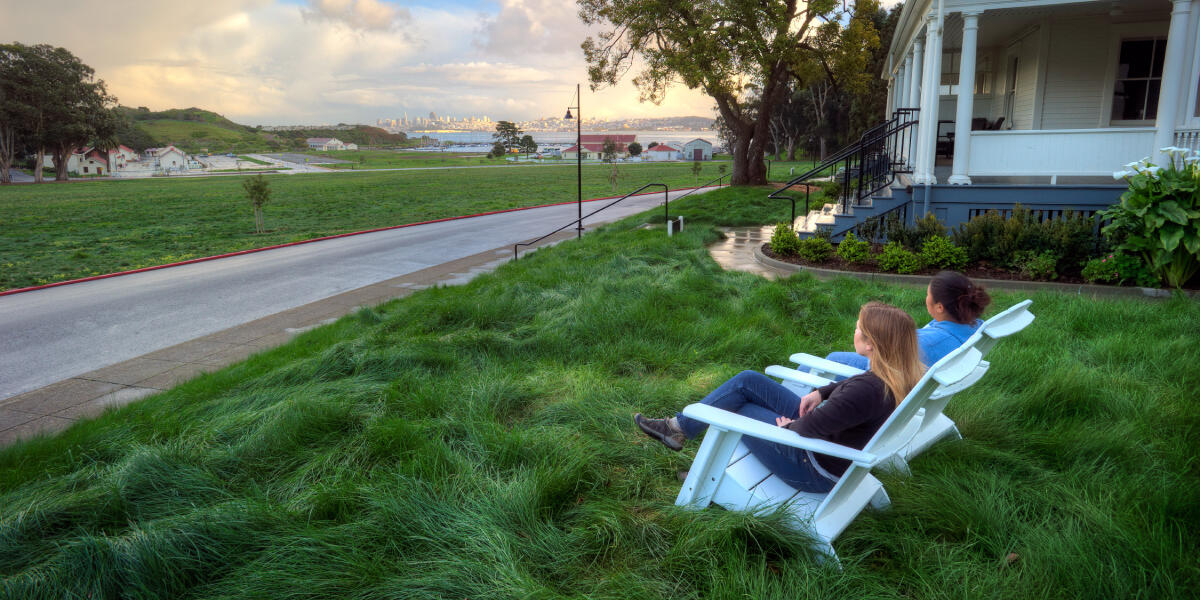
497, 150
527, 145
635, 149
652, 144
609, 151
77, 107
696, 166
258, 191
508, 135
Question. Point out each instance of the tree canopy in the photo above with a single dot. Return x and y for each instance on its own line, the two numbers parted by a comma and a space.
726, 48
51, 102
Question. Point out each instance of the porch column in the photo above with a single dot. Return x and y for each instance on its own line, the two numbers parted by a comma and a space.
917, 60
966, 99
930, 82
1173, 79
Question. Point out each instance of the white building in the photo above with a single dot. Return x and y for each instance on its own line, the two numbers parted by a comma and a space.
698, 149
663, 152
1044, 91
168, 158
326, 144
90, 161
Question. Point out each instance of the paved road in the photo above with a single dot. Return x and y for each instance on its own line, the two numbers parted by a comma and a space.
56, 333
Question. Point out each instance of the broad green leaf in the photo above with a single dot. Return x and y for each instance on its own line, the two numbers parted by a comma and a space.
1170, 237
1171, 210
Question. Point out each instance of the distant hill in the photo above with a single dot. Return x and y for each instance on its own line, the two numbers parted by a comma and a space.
196, 130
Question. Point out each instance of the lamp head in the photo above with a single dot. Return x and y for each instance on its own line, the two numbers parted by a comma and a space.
568, 117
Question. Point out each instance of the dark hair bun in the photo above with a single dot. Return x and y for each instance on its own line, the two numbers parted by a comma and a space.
963, 300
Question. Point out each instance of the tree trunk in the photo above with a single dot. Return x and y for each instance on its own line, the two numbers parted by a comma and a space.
7, 152
62, 159
791, 149
40, 158
822, 147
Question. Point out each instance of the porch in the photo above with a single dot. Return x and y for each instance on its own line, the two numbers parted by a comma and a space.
1061, 92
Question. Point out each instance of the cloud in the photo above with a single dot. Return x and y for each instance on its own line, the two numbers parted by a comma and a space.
525, 26
357, 14
282, 62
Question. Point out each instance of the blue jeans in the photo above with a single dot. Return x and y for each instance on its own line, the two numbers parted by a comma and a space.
853, 359
752, 394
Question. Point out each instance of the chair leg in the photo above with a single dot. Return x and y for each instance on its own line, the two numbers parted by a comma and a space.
880, 500
826, 556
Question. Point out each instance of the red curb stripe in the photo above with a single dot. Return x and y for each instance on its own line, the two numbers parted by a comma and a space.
328, 237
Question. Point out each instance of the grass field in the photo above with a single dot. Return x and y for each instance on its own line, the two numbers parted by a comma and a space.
170, 131
476, 442
58, 232
386, 159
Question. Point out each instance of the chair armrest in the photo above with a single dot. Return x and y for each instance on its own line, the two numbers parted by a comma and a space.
728, 421
801, 377
816, 362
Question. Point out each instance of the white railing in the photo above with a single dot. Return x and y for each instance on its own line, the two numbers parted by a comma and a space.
1069, 152
1188, 138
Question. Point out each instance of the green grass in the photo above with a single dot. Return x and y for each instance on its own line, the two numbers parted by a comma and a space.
254, 160
476, 442
171, 131
54, 233
386, 159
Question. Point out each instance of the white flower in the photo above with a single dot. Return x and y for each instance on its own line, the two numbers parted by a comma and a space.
1175, 150
1192, 159
1133, 165
1120, 174
1152, 171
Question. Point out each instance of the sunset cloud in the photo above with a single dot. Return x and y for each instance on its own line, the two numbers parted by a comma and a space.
329, 61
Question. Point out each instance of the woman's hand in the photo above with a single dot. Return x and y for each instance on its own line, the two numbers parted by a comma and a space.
809, 402
783, 421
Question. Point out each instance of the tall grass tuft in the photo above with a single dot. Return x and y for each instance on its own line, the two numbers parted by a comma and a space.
476, 442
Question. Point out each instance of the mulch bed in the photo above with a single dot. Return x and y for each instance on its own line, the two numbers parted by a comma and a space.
981, 271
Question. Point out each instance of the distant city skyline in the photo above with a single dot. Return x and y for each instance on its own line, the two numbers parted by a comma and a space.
283, 62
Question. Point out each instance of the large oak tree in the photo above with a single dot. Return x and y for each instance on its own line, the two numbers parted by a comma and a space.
725, 48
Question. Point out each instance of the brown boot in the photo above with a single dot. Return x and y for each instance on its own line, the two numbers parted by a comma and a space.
661, 430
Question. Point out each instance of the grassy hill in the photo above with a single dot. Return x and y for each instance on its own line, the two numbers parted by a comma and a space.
197, 130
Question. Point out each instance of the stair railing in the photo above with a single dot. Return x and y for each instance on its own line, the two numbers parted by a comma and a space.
579, 221
864, 167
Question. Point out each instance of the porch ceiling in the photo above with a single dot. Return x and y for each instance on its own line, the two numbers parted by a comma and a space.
998, 27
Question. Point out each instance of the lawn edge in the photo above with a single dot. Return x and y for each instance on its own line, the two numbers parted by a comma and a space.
308, 241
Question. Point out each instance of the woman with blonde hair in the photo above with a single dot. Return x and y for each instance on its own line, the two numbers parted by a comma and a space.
847, 412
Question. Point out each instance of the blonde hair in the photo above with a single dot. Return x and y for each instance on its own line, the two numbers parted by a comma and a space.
893, 335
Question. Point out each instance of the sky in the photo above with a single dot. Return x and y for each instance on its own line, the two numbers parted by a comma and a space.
283, 62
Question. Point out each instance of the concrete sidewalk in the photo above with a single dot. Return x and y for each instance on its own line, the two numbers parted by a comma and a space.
58, 405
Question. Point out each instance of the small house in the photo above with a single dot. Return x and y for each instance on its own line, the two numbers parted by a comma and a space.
698, 149
326, 144
663, 152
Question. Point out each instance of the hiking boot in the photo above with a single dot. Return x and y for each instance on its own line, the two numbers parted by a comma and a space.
661, 430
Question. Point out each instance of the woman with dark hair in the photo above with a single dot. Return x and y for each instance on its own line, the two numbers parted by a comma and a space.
847, 412
955, 305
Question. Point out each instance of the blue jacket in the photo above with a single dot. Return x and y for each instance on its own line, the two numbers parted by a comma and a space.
939, 338
934, 341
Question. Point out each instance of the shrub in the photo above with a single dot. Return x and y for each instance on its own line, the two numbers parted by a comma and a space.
895, 257
992, 238
1039, 266
1133, 271
784, 241
815, 249
1101, 270
913, 237
831, 190
854, 250
940, 252
1158, 218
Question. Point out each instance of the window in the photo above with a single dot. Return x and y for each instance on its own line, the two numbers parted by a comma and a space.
1139, 78
952, 62
85, 169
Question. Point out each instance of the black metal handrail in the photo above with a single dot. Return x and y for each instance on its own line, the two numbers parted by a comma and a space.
704, 185
880, 220
870, 164
666, 201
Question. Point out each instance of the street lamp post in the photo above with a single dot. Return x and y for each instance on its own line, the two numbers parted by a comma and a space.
578, 159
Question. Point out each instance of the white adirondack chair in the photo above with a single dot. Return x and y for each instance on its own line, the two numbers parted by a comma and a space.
725, 473
934, 425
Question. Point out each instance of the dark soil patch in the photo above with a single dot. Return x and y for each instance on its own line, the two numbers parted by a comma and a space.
981, 271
